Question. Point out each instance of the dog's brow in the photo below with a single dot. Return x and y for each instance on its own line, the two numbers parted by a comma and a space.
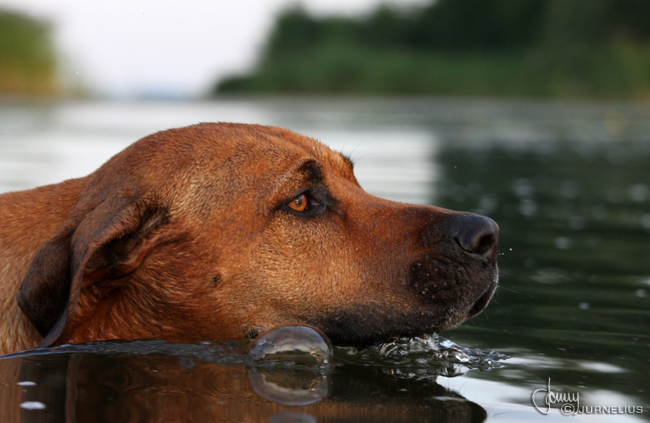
309, 169
313, 171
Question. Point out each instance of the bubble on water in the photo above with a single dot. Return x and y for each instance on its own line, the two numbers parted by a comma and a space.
641, 293
305, 351
297, 344
289, 365
584, 306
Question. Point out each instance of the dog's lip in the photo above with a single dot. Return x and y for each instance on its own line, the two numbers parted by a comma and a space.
483, 300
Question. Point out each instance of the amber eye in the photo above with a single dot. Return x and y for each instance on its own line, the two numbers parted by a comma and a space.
299, 203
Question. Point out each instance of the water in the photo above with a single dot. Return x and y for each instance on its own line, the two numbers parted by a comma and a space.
569, 185
292, 367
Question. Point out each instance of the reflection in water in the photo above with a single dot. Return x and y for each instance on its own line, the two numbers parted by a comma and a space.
50, 143
81, 387
290, 386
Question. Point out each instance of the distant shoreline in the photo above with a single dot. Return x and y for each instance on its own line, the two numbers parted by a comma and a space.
544, 49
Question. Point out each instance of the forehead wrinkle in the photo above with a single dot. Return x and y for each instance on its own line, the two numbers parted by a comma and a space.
324, 154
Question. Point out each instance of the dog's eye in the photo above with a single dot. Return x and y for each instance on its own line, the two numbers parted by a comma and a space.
310, 203
299, 203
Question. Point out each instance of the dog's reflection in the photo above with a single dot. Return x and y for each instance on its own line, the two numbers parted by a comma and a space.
68, 388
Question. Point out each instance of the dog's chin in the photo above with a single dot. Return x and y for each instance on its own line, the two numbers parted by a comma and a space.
363, 332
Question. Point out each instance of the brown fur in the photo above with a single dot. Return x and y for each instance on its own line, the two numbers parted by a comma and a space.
186, 236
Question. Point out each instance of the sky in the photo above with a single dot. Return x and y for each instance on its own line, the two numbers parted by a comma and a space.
131, 48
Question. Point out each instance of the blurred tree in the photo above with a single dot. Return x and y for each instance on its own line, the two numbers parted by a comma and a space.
630, 18
27, 59
479, 24
386, 27
295, 33
516, 47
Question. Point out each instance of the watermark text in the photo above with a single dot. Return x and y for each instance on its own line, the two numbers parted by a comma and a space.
544, 399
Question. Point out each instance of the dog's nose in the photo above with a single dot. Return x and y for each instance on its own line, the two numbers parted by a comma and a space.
475, 234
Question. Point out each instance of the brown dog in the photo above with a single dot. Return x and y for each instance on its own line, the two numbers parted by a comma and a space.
221, 231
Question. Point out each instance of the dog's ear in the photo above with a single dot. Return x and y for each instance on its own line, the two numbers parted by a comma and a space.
103, 245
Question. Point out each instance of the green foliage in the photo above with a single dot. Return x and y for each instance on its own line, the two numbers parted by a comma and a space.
479, 24
27, 60
482, 47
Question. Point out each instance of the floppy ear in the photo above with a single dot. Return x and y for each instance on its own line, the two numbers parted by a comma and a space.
107, 243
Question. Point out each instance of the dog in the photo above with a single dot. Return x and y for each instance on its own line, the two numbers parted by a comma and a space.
222, 231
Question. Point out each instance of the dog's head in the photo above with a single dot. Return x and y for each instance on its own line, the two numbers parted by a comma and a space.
221, 231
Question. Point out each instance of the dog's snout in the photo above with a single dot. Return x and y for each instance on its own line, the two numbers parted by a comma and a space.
476, 234
458, 271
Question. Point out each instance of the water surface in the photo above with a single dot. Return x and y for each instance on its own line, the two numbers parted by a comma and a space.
568, 183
